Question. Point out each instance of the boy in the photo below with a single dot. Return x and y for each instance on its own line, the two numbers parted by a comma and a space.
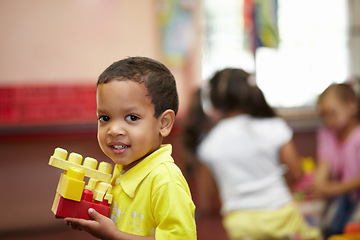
136, 106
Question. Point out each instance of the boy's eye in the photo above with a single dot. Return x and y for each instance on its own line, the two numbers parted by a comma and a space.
131, 118
103, 118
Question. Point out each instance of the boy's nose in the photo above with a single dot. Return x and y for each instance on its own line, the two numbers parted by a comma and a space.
116, 130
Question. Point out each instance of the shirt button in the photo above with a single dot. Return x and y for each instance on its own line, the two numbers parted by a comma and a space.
118, 180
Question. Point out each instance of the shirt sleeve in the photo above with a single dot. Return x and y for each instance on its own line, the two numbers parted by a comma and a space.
174, 213
284, 132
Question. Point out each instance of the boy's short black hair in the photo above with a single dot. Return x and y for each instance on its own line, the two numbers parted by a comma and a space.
158, 80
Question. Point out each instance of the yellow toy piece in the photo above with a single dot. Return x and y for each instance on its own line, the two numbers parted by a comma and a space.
108, 197
56, 199
308, 164
104, 173
101, 189
350, 236
71, 184
71, 200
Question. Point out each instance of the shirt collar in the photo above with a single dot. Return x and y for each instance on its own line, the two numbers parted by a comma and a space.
131, 179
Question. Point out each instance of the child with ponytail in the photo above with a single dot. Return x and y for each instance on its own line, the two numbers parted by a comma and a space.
246, 152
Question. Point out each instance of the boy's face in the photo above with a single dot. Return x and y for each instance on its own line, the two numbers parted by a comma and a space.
127, 128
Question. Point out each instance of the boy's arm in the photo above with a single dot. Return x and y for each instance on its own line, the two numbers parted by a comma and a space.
102, 227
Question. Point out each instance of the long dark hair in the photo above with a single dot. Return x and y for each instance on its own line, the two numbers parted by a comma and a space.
230, 91
197, 124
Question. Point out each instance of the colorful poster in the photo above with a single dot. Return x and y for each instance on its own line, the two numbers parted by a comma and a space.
176, 21
261, 24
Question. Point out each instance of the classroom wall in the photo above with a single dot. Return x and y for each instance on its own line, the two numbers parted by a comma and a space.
72, 40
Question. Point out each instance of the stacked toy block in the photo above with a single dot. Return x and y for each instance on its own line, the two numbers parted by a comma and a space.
351, 232
73, 198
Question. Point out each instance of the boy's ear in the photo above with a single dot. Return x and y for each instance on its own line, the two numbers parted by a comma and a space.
167, 120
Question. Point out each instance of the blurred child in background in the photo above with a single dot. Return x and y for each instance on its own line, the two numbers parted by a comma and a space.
338, 170
245, 152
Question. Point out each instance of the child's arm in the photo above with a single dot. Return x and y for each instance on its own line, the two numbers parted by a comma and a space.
325, 187
102, 227
322, 173
330, 189
289, 156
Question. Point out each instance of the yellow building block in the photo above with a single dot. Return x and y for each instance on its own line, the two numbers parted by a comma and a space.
103, 173
108, 197
53, 208
101, 189
71, 184
349, 236
92, 184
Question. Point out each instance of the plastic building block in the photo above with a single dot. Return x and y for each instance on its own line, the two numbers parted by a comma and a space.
73, 198
63, 207
351, 232
355, 236
89, 167
71, 184
352, 227
100, 189
308, 166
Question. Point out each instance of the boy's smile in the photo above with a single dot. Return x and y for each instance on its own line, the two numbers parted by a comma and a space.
127, 128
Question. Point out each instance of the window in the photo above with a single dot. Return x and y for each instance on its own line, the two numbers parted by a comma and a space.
312, 52
223, 38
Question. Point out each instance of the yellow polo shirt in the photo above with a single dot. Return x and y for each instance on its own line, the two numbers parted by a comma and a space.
153, 199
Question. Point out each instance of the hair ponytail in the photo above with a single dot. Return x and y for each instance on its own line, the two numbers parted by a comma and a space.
230, 90
260, 108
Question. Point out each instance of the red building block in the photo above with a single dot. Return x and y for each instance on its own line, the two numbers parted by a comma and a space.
352, 227
70, 208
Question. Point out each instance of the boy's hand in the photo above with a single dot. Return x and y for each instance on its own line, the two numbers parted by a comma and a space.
101, 227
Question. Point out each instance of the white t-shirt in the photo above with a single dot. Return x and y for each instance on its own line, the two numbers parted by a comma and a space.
242, 153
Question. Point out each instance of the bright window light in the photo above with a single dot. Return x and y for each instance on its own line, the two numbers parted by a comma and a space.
312, 53
223, 38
